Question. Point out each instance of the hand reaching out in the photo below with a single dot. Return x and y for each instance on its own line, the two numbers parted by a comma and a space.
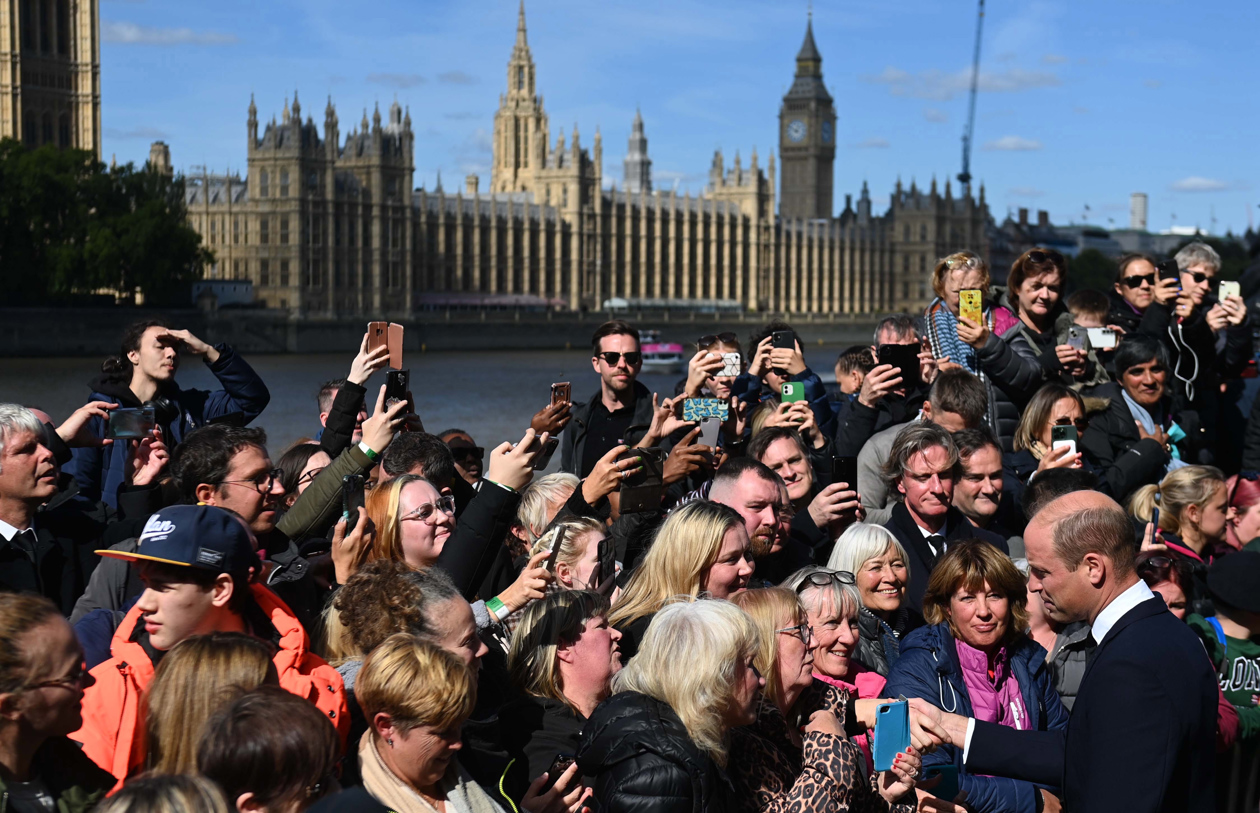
148, 459
367, 362
350, 544
75, 431
552, 418
971, 333
378, 430
608, 475
879, 383
896, 783
513, 466
565, 796
192, 344
531, 585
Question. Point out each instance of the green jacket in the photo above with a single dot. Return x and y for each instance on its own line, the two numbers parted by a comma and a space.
75, 781
1237, 665
319, 506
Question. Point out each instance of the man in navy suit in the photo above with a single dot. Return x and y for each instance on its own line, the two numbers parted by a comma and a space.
1142, 734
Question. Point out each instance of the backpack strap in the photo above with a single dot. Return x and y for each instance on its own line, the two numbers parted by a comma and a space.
1216, 627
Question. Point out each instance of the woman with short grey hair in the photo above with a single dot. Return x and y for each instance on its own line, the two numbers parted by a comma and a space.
881, 572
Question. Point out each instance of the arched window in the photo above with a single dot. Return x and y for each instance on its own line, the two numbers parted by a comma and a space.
520, 77
264, 184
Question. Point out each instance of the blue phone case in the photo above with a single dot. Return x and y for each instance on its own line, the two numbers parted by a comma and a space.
892, 733
948, 788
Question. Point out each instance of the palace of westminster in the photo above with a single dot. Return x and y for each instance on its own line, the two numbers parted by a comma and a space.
331, 225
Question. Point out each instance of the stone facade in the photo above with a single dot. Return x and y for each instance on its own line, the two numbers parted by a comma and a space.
50, 73
326, 228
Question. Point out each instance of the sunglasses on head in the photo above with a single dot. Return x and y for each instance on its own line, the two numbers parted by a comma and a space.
611, 357
1158, 567
711, 339
1049, 255
1137, 280
1080, 423
823, 579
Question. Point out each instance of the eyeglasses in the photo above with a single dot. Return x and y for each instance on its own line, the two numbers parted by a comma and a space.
309, 476
802, 630
1157, 568
466, 452
716, 338
824, 578
263, 483
611, 357
1080, 423
1049, 255
1138, 280
74, 680
427, 513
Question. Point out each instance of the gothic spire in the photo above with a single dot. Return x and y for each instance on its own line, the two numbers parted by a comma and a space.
808, 83
520, 28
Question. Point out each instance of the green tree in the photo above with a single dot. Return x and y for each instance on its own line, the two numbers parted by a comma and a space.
1091, 269
69, 225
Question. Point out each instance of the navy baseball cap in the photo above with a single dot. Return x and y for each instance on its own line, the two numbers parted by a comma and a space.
200, 536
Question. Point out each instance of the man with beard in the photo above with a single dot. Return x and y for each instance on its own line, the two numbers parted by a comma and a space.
920, 473
621, 403
760, 497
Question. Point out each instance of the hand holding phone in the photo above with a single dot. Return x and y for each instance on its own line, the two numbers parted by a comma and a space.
561, 393
892, 733
844, 470
971, 305
1061, 436
352, 486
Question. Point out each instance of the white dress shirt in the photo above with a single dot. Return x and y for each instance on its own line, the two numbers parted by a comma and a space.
1107, 618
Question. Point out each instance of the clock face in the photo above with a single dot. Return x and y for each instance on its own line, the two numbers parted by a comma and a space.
826, 132
796, 130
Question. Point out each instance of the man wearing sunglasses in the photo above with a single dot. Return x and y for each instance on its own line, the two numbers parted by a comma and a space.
468, 455
620, 404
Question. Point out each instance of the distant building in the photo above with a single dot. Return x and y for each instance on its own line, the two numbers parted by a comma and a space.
324, 226
50, 73
1137, 211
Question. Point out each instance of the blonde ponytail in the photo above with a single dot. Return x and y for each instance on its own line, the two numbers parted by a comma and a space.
1143, 502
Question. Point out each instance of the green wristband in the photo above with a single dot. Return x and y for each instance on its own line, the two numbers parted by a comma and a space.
367, 450
497, 607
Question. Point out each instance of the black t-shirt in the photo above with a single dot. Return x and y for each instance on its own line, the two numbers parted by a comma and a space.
604, 431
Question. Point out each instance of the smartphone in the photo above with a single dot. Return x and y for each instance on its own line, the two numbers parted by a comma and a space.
1063, 436
1154, 517
892, 733
1169, 269
697, 409
561, 393
782, 339
394, 341
558, 766
844, 470
947, 789
1229, 288
971, 305
132, 423
709, 432
554, 540
1078, 338
607, 564
352, 496
397, 383
905, 357
544, 458
732, 366
643, 490
378, 335
1101, 338
793, 391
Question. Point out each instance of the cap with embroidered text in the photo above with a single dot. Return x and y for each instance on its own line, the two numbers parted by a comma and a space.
200, 536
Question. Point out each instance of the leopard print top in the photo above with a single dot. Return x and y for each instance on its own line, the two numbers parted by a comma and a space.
772, 775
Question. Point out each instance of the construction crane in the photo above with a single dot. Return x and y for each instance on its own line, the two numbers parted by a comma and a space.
964, 177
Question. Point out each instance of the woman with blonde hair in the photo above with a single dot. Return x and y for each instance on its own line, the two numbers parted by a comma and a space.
802, 723
881, 573
662, 740
702, 547
415, 696
1192, 502
976, 660
168, 793
413, 521
195, 678
577, 565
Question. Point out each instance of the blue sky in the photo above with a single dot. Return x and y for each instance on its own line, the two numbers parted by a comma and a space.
1081, 103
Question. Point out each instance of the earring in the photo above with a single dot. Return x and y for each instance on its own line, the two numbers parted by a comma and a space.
391, 742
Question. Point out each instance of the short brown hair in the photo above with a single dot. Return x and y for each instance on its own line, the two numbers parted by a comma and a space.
960, 392
915, 439
416, 683
960, 261
1088, 302
969, 565
615, 327
1127, 260
1108, 531
1024, 267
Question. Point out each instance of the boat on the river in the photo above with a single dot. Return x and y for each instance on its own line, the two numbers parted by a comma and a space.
659, 356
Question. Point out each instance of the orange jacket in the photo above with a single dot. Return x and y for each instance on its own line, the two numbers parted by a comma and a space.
113, 712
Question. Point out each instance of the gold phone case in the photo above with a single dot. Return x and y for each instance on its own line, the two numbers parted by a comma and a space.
971, 305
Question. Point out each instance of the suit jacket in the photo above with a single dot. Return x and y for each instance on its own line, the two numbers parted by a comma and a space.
922, 559
1142, 736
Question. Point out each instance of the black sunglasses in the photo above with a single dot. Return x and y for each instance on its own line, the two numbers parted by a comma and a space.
1050, 255
1137, 280
1080, 423
465, 452
611, 357
716, 338
1199, 276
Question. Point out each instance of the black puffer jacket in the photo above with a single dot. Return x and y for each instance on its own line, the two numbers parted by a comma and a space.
637, 756
1124, 457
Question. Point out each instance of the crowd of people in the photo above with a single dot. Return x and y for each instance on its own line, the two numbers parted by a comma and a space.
1036, 521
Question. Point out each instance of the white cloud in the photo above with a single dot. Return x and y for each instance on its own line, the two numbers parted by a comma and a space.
1054, 59
934, 115
940, 86
1024, 192
132, 34
456, 78
1197, 183
872, 143
1013, 143
396, 80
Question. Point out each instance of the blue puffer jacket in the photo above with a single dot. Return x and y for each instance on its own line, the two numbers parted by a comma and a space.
99, 471
928, 668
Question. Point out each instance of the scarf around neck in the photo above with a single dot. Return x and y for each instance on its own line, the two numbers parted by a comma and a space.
462, 794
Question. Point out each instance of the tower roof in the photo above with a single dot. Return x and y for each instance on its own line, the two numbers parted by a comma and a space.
808, 83
809, 51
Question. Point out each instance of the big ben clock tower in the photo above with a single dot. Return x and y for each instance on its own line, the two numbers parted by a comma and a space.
807, 138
